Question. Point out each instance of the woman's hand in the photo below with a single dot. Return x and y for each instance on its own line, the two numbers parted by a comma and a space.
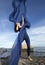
18, 26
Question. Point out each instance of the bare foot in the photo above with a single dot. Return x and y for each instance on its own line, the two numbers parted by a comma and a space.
30, 58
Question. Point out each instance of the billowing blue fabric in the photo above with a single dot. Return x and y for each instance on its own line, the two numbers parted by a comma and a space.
15, 53
16, 50
19, 7
19, 10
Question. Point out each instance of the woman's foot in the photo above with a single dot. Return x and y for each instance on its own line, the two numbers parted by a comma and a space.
30, 58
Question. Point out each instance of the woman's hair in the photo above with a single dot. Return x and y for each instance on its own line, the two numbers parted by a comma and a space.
15, 28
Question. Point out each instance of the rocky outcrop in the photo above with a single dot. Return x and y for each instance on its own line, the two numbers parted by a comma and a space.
24, 60
37, 60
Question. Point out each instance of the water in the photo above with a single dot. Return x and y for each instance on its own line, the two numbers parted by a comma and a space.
39, 51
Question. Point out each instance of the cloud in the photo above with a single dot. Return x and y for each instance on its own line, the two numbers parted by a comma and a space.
38, 30
7, 39
37, 36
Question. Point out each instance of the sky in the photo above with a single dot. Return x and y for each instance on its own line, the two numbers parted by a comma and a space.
35, 14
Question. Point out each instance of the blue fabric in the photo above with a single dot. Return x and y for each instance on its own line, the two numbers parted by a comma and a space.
16, 50
19, 9
26, 23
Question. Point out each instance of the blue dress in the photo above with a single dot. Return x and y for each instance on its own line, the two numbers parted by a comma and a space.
16, 49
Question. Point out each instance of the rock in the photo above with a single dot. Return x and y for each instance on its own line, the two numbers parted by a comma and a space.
22, 62
0, 62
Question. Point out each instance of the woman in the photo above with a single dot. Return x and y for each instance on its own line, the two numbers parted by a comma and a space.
16, 50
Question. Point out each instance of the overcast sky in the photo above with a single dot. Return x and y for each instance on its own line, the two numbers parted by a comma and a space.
35, 15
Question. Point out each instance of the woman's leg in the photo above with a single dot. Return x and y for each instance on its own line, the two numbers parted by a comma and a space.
28, 46
28, 43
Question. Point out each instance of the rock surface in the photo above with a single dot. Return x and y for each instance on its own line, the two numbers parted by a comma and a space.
24, 60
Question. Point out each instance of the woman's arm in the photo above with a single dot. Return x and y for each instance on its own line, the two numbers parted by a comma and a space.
22, 20
18, 24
